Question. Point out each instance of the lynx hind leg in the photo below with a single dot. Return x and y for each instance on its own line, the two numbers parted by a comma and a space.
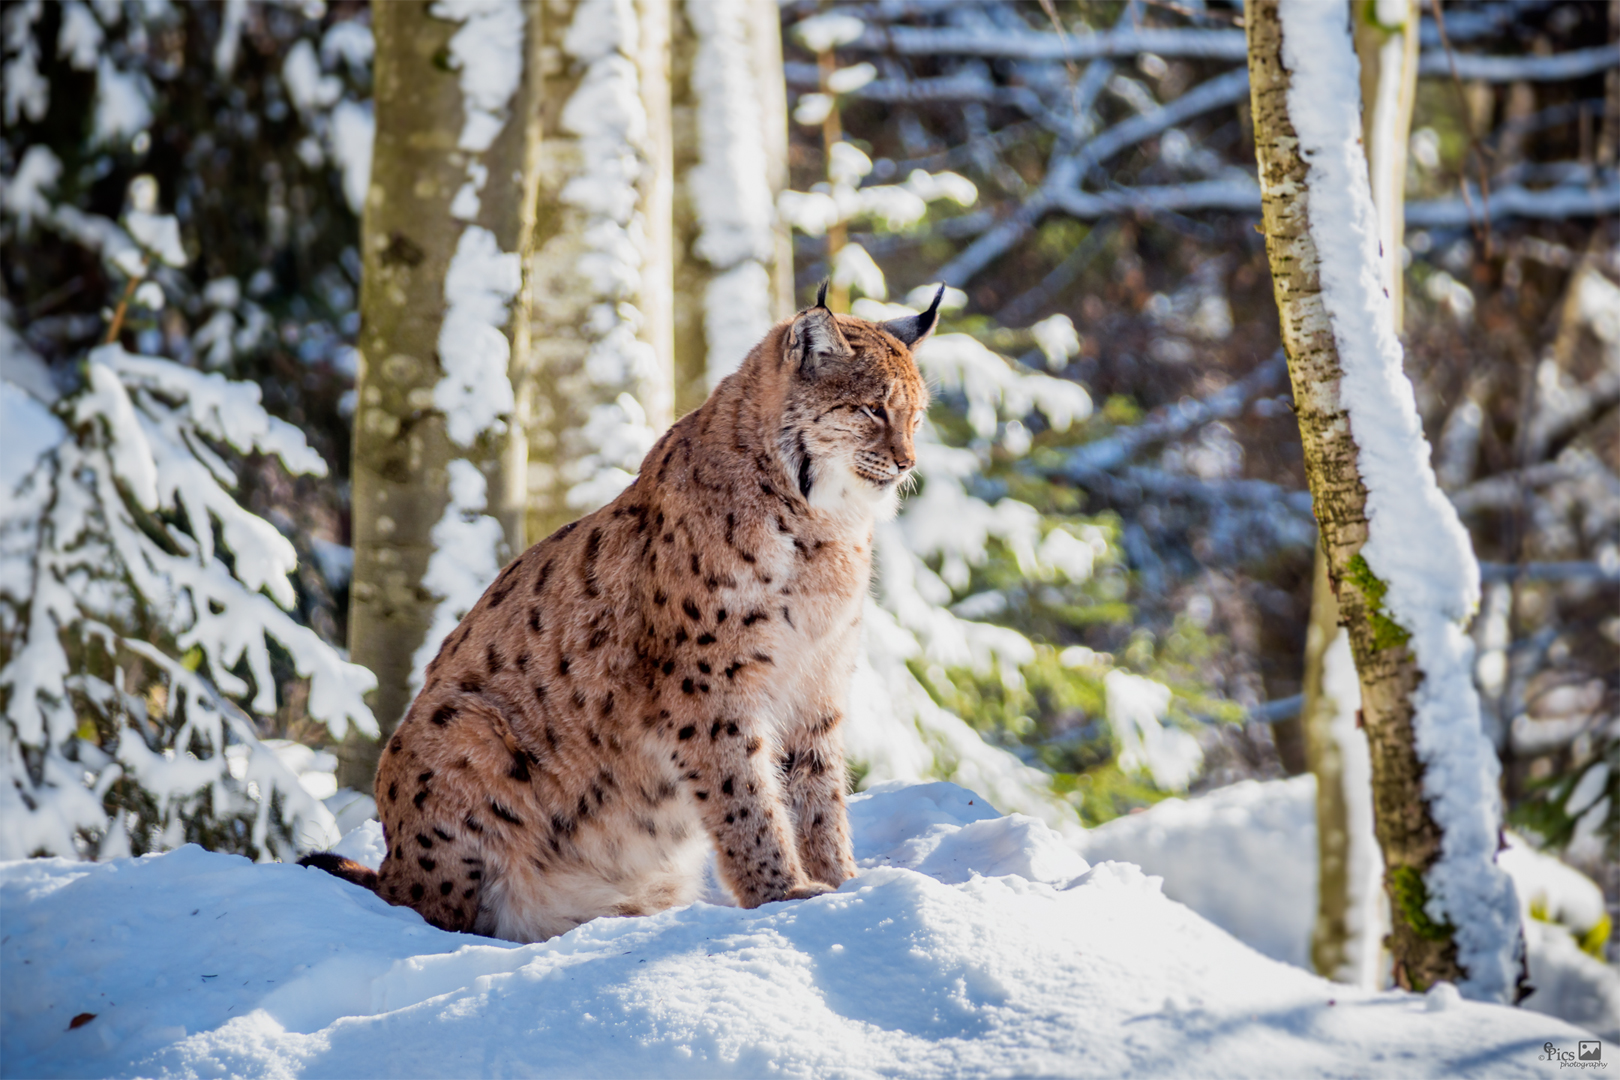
813, 783
443, 840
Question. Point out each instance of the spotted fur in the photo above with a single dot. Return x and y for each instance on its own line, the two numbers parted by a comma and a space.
671, 671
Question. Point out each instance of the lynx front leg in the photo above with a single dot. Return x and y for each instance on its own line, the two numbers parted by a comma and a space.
740, 798
814, 781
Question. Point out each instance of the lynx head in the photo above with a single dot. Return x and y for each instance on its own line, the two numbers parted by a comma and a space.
853, 405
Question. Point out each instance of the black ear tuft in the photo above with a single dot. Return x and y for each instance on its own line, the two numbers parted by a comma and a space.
821, 294
913, 329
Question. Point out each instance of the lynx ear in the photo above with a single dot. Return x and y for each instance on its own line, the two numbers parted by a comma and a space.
914, 329
814, 342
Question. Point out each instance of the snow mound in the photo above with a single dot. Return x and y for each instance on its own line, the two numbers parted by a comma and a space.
1243, 857
199, 964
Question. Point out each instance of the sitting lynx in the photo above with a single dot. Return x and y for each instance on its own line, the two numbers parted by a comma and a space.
669, 671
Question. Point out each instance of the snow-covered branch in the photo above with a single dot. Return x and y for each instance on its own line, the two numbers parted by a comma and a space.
1575, 64
1001, 44
1176, 420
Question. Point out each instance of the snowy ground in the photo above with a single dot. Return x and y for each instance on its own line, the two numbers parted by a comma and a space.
969, 944
1244, 857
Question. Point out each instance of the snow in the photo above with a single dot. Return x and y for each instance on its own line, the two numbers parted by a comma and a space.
488, 53
1135, 708
1433, 585
31, 430
27, 92
354, 129
466, 557
626, 383
79, 38
24, 194
1057, 339
730, 186
969, 943
229, 44
1245, 858
123, 103
822, 32
476, 391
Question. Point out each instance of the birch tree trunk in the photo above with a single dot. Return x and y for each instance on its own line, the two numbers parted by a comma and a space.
734, 276
1386, 45
447, 215
601, 273
1398, 560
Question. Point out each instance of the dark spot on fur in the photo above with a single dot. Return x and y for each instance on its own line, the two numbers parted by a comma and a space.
421, 797
579, 699
726, 788
520, 769
396, 745
686, 686
493, 657
562, 666
540, 691
659, 598
597, 639
417, 891
551, 737
667, 667
442, 835
421, 838
763, 658
423, 778
705, 639
393, 792
686, 732
680, 637
466, 893
755, 616
473, 824
540, 580
471, 686
426, 863
752, 746
787, 616
522, 661
444, 888
742, 813
534, 619
691, 610
504, 814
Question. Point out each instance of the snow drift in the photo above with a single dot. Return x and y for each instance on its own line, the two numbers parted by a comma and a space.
970, 943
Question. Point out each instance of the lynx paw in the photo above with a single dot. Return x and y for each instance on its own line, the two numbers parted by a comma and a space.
808, 889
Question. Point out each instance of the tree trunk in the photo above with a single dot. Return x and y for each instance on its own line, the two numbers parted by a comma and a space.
1386, 45
734, 276
601, 336
1429, 925
403, 443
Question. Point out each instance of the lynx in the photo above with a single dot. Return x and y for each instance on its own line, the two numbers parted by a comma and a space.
669, 672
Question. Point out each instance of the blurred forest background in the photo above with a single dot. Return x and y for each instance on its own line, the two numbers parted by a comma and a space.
1107, 574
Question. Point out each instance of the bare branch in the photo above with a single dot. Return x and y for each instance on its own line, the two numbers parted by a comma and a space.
1508, 489
1014, 45
1514, 201
1176, 420
1575, 64
1205, 45
1549, 571
1065, 172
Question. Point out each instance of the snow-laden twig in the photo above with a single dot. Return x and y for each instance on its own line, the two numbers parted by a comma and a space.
1173, 421
1559, 67
1124, 41
1065, 171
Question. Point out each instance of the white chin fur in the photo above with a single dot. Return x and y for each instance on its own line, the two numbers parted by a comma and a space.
838, 490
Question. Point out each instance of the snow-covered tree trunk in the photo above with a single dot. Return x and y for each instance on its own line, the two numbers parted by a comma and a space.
734, 275
1400, 563
1350, 922
601, 270
438, 470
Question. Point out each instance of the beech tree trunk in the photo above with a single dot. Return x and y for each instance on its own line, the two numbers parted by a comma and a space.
1386, 44
402, 448
601, 273
1410, 838
734, 258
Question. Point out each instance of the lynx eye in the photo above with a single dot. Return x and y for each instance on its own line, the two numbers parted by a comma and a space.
876, 412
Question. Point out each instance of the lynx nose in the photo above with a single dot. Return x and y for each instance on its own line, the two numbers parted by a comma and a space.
904, 463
